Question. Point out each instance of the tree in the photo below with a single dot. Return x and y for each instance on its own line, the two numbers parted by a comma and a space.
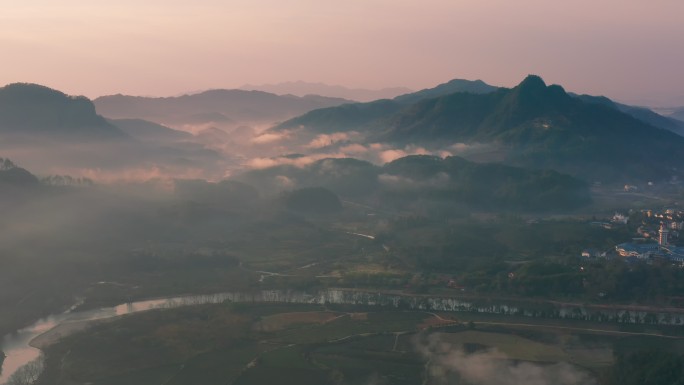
27, 374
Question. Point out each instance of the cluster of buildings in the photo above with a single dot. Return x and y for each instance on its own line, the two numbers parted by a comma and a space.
675, 218
656, 233
618, 219
663, 249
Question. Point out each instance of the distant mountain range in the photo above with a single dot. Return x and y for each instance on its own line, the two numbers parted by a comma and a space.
51, 132
301, 88
533, 124
215, 107
530, 125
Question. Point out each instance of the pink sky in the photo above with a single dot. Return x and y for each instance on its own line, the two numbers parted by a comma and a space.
631, 50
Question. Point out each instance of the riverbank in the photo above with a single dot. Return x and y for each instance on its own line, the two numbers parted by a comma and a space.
52, 329
60, 331
526, 302
178, 346
307, 343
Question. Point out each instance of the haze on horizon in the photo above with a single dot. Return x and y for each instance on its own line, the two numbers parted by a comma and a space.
629, 50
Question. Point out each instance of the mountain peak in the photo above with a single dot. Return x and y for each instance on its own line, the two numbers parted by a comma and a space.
534, 95
532, 82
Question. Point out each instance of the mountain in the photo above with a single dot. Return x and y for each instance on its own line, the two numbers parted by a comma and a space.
31, 109
347, 177
355, 116
646, 115
450, 87
452, 181
530, 112
301, 88
360, 115
543, 125
50, 132
483, 185
642, 113
148, 131
215, 107
346, 117
532, 125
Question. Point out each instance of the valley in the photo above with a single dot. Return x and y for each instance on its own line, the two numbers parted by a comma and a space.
354, 243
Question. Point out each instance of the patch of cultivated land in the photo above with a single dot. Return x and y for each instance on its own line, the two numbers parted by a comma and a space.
285, 321
266, 344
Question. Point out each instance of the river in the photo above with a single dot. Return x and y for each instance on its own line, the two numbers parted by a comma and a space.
17, 345
20, 352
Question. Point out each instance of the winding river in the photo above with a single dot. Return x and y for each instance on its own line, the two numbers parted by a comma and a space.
20, 351
17, 345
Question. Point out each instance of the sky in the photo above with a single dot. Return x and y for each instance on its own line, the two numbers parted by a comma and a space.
629, 50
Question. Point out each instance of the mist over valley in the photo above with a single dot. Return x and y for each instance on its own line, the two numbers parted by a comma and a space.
518, 202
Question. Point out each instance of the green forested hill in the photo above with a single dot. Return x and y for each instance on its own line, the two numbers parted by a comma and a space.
421, 178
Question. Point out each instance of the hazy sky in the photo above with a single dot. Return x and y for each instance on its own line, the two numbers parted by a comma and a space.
631, 50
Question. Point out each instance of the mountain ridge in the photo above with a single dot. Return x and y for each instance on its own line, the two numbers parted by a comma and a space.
336, 118
32, 109
232, 106
302, 88
452, 86
533, 123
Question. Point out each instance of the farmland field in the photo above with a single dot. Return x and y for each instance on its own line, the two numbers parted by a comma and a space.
299, 344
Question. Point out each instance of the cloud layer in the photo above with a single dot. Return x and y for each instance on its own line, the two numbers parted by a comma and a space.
491, 367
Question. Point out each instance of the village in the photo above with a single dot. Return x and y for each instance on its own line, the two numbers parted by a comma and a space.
656, 238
